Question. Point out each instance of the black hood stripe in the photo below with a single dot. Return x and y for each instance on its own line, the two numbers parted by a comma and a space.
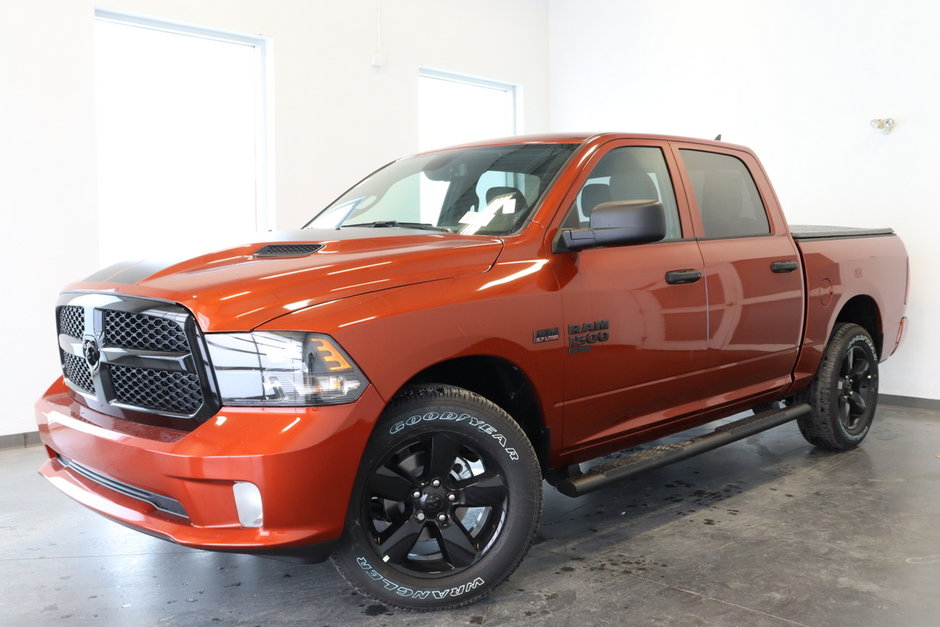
129, 271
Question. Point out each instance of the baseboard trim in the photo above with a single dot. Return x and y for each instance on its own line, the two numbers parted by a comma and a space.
19, 440
910, 401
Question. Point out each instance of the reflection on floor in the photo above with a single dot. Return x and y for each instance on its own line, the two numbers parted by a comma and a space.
767, 531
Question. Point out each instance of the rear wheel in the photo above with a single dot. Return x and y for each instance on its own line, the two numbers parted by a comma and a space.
844, 393
446, 502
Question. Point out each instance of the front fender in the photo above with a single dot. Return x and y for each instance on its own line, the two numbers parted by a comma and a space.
394, 334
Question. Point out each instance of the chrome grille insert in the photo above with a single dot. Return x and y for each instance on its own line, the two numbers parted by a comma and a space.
71, 321
161, 390
145, 332
76, 370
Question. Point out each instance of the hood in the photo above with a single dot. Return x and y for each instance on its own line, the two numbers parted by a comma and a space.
239, 288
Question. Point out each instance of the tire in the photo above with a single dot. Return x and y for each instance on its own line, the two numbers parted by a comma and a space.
844, 393
446, 502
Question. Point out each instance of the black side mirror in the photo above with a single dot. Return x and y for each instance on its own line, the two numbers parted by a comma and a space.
618, 223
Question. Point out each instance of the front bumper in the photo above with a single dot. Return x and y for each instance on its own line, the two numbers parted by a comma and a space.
303, 461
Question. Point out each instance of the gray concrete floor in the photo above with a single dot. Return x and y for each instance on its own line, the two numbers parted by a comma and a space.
767, 531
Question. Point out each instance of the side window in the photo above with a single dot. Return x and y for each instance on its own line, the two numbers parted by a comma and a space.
629, 173
726, 195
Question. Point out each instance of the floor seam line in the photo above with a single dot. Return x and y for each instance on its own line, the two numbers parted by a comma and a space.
710, 598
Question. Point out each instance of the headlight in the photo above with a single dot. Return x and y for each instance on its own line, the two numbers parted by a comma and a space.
283, 368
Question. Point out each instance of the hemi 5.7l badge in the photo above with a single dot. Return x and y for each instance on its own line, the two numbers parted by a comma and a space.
545, 335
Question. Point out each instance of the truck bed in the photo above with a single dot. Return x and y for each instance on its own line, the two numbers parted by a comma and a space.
842, 265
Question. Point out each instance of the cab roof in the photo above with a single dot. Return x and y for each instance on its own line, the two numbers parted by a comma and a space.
581, 138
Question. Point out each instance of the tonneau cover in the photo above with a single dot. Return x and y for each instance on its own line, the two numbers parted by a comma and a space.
807, 231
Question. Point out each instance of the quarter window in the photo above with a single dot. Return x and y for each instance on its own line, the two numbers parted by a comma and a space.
726, 195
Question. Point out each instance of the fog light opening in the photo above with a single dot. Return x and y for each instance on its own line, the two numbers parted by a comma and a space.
248, 504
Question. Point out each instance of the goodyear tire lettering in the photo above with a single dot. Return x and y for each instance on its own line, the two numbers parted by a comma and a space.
404, 591
479, 423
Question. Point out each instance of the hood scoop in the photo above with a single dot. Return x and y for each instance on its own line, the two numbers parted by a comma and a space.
287, 250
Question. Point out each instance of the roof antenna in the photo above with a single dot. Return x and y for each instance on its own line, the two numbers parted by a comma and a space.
718, 137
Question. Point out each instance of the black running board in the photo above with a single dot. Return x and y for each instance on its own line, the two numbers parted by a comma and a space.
603, 474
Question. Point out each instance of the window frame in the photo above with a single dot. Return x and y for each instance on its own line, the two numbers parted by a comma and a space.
767, 197
265, 174
535, 208
686, 224
513, 91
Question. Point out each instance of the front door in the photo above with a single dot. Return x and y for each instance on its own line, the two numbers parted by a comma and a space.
635, 316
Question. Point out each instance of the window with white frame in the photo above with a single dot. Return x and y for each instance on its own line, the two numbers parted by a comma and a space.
182, 135
455, 109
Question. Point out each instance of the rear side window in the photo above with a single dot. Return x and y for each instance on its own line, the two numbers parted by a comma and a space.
726, 195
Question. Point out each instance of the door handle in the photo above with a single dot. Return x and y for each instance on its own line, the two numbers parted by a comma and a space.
784, 266
678, 277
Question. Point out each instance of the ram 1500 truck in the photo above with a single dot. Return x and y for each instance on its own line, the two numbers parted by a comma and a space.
391, 383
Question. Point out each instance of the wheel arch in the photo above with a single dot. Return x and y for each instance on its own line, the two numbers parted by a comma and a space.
863, 311
501, 382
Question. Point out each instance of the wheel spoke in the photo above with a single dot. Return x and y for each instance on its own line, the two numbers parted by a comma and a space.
857, 401
441, 453
845, 412
389, 484
398, 540
861, 368
456, 545
486, 490
849, 362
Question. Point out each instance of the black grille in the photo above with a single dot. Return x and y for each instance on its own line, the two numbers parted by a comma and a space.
162, 390
143, 332
72, 321
150, 359
288, 250
76, 370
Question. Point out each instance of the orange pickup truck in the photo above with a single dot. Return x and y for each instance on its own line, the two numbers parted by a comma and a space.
391, 383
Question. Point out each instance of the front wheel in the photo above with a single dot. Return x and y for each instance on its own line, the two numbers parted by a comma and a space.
844, 393
446, 503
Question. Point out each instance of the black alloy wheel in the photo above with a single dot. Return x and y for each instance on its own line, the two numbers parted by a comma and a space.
446, 502
844, 393
855, 389
434, 505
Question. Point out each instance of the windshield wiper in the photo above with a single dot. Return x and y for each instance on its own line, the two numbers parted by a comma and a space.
383, 224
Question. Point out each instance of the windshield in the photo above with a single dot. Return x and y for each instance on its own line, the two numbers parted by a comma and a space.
488, 190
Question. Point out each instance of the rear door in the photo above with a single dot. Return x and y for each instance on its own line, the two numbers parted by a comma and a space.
635, 338
754, 278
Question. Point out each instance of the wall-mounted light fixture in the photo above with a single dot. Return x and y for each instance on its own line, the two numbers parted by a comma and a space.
885, 126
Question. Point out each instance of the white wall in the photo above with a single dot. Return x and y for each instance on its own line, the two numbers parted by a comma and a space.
336, 116
798, 81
